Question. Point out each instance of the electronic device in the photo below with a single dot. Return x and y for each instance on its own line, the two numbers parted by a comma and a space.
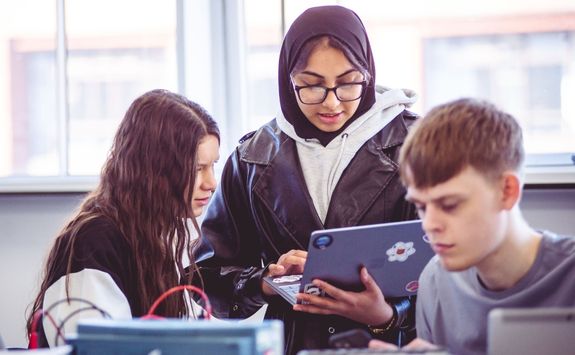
351, 339
394, 254
531, 331
178, 337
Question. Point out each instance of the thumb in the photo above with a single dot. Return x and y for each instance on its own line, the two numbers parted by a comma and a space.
276, 269
368, 281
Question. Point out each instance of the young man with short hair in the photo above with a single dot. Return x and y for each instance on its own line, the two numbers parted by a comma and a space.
462, 165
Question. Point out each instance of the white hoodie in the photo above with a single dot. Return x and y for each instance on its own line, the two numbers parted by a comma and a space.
322, 166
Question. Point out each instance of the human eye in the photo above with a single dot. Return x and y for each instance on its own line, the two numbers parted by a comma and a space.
449, 207
311, 87
347, 87
420, 207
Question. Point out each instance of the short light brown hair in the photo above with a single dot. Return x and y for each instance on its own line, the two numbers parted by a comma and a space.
458, 134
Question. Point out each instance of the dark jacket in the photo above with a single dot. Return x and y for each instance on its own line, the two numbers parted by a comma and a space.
262, 209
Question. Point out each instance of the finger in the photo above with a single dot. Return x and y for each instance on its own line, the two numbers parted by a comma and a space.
368, 281
298, 252
293, 260
378, 344
318, 301
420, 344
310, 308
333, 291
276, 270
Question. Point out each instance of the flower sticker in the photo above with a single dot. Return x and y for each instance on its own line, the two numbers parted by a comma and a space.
400, 251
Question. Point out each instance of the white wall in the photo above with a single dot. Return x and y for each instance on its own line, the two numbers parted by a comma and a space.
29, 222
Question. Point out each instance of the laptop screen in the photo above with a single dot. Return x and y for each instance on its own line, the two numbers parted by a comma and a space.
531, 331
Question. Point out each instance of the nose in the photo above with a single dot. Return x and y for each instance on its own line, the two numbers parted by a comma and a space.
430, 220
209, 181
331, 101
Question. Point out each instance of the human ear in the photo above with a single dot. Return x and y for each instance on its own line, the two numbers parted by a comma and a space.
511, 185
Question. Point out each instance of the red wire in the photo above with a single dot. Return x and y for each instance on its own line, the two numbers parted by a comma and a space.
163, 296
34, 327
150, 315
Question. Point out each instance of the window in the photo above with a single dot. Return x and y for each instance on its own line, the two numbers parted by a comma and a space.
72, 67
519, 55
58, 113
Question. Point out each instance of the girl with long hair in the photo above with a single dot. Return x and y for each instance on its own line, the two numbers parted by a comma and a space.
129, 242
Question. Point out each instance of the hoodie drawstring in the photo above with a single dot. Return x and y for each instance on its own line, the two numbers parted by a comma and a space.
331, 178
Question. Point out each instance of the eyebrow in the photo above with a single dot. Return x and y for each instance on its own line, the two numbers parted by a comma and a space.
322, 77
435, 200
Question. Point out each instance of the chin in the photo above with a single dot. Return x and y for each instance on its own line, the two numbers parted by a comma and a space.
196, 212
329, 128
453, 265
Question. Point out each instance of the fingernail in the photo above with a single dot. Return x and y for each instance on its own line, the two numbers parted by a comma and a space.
364, 272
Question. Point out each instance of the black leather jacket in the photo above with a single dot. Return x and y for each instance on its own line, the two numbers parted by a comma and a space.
262, 209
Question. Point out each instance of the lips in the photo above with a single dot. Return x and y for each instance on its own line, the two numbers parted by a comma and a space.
329, 117
441, 248
202, 201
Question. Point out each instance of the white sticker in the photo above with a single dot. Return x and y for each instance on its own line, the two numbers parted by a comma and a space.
400, 251
287, 278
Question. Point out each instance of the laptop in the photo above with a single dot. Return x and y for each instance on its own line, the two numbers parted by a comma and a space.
394, 254
177, 337
531, 331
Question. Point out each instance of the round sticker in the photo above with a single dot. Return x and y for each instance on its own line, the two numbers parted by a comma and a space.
322, 241
426, 239
412, 286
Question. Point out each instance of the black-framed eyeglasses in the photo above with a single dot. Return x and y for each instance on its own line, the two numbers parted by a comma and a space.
316, 94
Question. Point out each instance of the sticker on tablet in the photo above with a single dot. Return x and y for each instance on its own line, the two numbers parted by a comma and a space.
312, 289
400, 251
322, 241
412, 286
286, 278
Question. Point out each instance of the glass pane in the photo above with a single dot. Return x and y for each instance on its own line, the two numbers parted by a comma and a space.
28, 123
519, 54
263, 40
117, 51
525, 73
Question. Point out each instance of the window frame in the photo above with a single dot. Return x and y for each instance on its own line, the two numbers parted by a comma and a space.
223, 70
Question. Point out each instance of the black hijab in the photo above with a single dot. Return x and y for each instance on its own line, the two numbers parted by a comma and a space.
334, 21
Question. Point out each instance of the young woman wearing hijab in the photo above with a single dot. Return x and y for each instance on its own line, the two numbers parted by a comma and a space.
129, 240
329, 159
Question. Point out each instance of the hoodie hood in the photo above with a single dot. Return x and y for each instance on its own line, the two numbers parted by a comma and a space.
388, 104
322, 166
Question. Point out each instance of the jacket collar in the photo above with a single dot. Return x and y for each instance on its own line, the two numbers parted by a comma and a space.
281, 186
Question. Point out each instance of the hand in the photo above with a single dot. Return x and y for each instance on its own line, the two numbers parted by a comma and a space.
420, 344
381, 345
289, 263
367, 307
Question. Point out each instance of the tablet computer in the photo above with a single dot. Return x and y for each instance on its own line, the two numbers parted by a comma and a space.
394, 254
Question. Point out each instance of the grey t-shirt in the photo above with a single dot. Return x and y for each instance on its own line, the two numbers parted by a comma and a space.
452, 307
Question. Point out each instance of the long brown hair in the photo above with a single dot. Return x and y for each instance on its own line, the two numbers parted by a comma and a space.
144, 191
